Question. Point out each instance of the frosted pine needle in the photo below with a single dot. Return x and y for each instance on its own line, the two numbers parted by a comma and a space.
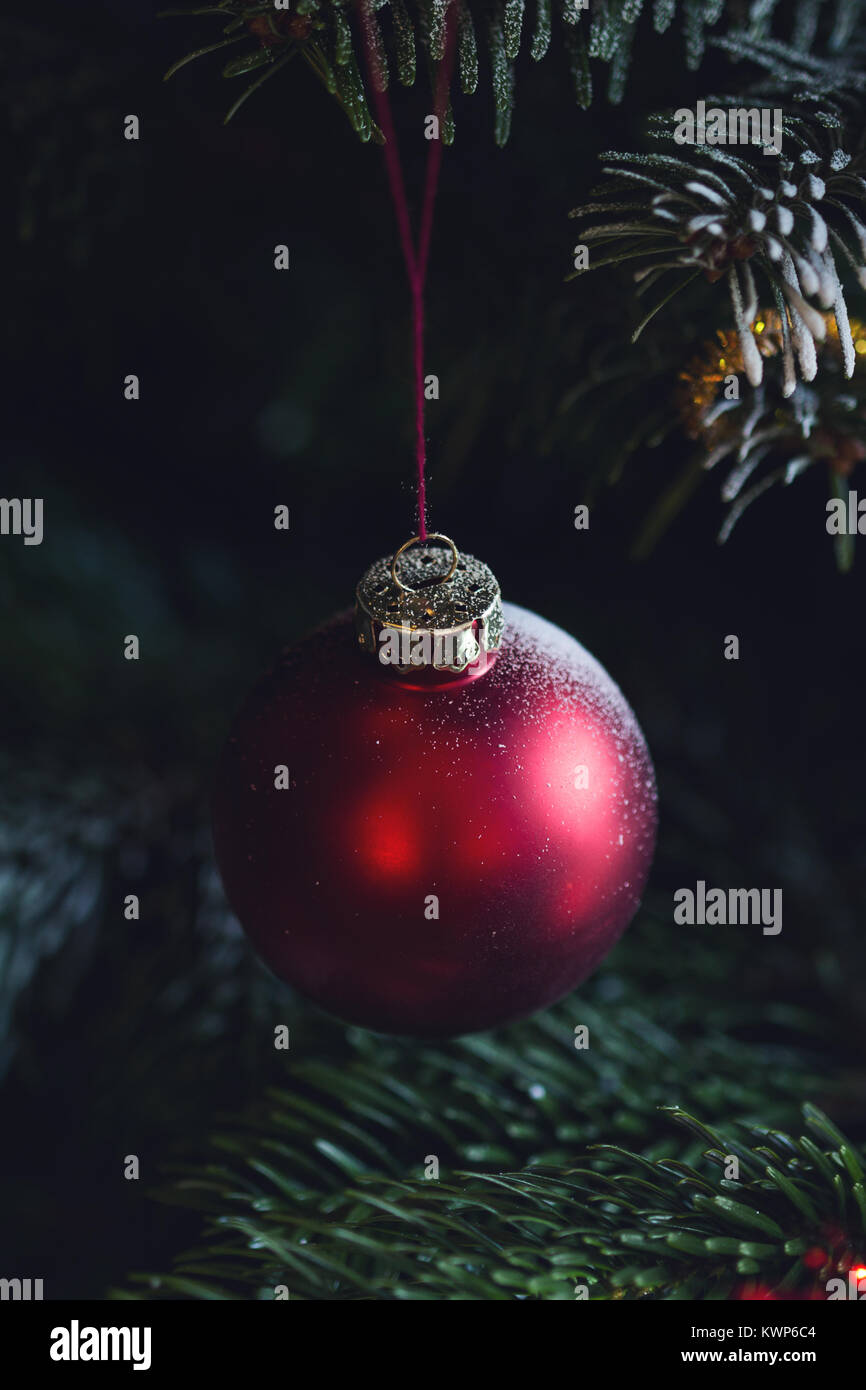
798, 219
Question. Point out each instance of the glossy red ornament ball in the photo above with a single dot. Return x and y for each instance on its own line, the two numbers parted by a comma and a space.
444, 859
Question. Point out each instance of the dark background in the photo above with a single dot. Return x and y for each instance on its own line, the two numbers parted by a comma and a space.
261, 388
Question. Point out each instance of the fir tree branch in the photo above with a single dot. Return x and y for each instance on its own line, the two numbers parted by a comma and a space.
506, 29
755, 1213
798, 220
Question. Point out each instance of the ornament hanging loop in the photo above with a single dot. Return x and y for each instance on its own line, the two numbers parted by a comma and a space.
415, 540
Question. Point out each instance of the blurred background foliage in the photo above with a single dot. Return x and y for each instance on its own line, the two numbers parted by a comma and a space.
261, 388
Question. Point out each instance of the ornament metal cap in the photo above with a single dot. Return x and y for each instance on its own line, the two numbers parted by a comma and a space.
419, 612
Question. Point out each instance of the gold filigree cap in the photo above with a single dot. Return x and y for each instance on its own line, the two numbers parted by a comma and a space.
425, 609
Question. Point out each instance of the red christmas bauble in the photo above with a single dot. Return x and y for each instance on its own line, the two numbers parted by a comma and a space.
444, 857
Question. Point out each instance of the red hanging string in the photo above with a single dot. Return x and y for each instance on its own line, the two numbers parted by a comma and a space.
416, 258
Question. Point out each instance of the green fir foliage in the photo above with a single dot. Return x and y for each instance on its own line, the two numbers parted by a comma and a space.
328, 35
711, 1215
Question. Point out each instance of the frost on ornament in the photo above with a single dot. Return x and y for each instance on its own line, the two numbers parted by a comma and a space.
523, 800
